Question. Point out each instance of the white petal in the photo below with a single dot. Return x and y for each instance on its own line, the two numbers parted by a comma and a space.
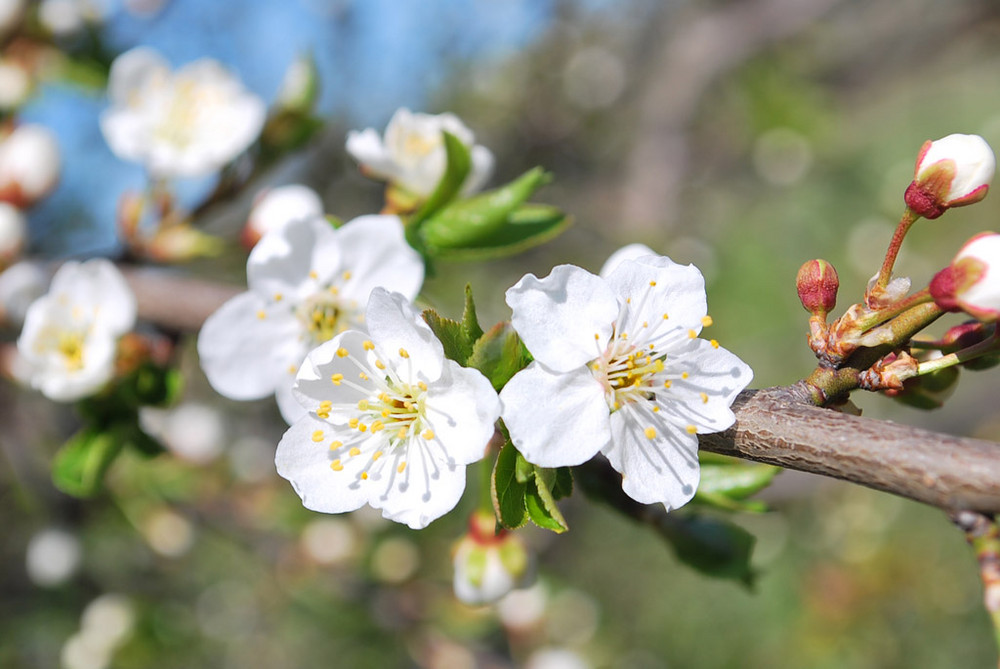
663, 469
132, 71
283, 259
327, 376
367, 148
306, 462
462, 408
628, 252
98, 286
559, 316
426, 489
244, 355
653, 287
288, 404
378, 255
398, 328
555, 419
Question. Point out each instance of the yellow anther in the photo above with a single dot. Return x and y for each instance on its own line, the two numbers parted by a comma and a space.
403, 353
261, 314
354, 452
628, 300
652, 346
652, 284
353, 423
336, 379
656, 409
691, 429
325, 404
684, 375
347, 276
362, 428
422, 385
363, 405
624, 335
692, 334
368, 345
376, 455
318, 436
428, 434
313, 275
666, 316
334, 445
334, 290
650, 433
597, 336
378, 426
323, 413
706, 321
704, 398
714, 343
278, 297
401, 467
666, 384
658, 366
364, 476
379, 364
408, 405
645, 324
342, 352
336, 466
385, 413
402, 433
362, 376
292, 369
384, 396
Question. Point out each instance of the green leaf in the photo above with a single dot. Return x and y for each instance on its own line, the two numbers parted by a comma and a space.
79, 466
507, 491
499, 355
470, 322
455, 172
541, 502
711, 546
456, 343
736, 480
562, 486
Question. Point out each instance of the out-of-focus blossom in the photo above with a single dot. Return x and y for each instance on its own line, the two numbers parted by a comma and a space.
488, 564
300, 85
53, 556
307, 282
21, 284
190, 122
62, 18
619, 369
11, 13
971, 283
951, 172
411, 155
70, 334
274, 208
15, 85
13, 234
191, 431
392, 423
29, 165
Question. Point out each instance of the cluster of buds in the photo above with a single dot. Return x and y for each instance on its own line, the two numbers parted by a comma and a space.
872, 346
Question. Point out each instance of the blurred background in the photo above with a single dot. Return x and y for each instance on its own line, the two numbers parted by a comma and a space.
744, 136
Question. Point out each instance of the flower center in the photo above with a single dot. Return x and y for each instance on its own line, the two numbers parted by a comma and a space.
324, 315
627, 372
70, 345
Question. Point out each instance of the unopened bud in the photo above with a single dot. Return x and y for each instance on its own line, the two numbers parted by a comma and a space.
971, 283
29, 165
275, 208
488, 565
300, 85
951, 172
817, 284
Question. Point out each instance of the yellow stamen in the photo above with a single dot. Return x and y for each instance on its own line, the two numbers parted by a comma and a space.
342, 352
336, 379
666, 384
403, 353
706, 321
666, 316
401, 467
334, 445
353, 423
684, 375
650, 433
376, 455
652, 284
336, 466
364, 476
714, 343
318, 436
422, 385
278, 297
313, 275
378, 363
261, 314
363, 405
428, 434
362, 376
377, 426
347, 276
354, 451
368, 345
704, 398
691, 429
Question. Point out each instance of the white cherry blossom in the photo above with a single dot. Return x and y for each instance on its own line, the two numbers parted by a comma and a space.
178, 124
276, 207
971, 283
70, 334
30, 165
392, 423
308, 281
951, 172
412, 156
619, 369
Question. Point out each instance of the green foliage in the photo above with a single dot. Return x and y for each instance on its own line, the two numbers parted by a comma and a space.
727, 483
712, 546
456, 171
79, 466
522, 491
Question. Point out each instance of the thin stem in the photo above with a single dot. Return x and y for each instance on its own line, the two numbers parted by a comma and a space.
982, 348
983, 534
891, 311
908, 219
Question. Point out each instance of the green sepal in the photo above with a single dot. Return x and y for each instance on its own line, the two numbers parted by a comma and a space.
499, 354
541, 502
455, 173
456, 345
726, 483
494, 223
79, 466
470, 322
507, 491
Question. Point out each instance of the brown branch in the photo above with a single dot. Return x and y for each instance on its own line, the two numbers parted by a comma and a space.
774, 425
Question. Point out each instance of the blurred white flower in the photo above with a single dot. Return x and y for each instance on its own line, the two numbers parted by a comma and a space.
15, 84
487, 564
412, 156
186, 123
21, 284
273, 208
53, 556
11, 12
192, 431
13, 234
62, 17
307, 282
30, 165
70, 334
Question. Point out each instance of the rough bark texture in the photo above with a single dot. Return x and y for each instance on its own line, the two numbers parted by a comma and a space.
779, 426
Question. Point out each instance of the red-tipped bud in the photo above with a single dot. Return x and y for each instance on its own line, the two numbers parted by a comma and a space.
817, 284
951, 172
971, 283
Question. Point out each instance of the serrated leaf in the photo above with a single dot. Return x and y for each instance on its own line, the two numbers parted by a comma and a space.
499, 354
542, 510
79, 466
459, 163
456, 343
507, 492
523, 470
470, 322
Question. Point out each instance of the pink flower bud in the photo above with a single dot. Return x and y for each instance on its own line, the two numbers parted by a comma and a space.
971, 283
488, 565
29, 165
817, 283
951, 172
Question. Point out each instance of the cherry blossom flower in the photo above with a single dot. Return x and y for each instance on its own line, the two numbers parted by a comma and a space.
488, 564
13, 234
619, 369
391, 423
951, 172
275, 207
178, 124
971, 283
70, 334
29, 165
307, 282
412, 155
